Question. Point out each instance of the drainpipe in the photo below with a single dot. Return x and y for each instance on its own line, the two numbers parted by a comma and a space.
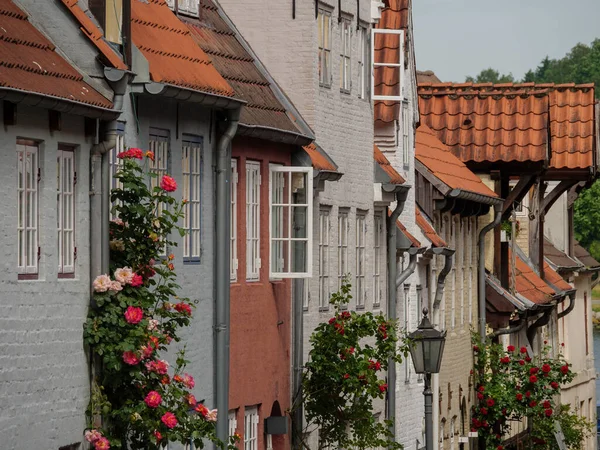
571, 295
100, 180
391, 231
537, 324
481, 269
222, 284
435, 378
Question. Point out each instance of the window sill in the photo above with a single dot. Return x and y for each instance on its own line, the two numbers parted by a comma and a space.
360, 307
345, 91
191, 262
325, 86
66, 276
28, 276
323, 308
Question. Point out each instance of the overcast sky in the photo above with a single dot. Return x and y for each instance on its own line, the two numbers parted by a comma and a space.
456, 38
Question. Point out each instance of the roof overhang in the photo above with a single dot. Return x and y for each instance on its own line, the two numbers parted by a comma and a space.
59, 104
273, 134
183, 94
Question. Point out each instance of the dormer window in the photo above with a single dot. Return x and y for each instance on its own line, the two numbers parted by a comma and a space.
189, 7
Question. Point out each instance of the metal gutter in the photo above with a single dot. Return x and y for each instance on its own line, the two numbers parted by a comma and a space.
190, 95
273, 134
59, 104
511, 330
474, 197
571, 295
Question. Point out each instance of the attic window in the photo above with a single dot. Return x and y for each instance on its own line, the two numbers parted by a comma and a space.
188, 7
388, 64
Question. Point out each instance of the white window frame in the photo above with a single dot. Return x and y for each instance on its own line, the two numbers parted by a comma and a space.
324, 46
232, 422
184, 6
253, 191
400, 65
405, 135
453, 293
345, 55
288, 239
361, 259
28, 253
116, 164
192, 165
306, 294
363, 61
324, 263
343, 232
378, 245
251, 420
233, 221
159, 144
65, 210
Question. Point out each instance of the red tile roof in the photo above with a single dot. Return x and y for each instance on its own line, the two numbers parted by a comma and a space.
318, 158
218, 40
394, 17
440, 161
173, 55
555, 279
512, 122
395, 177
428, 230
94, 34
530, 285
29, 63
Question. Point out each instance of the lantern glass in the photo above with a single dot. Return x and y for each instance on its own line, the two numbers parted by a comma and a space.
427, 347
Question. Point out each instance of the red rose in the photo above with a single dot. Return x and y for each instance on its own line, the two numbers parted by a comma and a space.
382, 387
532, 404
134, 315
548, 412
346, 376
565, 369
519, 396
484, 411
505, 360
157, 435
527, 394
481, 388
523, 350
136, 281
510, 348
533, 370
500, 447
546, 368
528, 359
183, 308
169, 420
533, 379
521, 362
554, 385
490, 402
475, 348
331, 320
168, 184
546, 404
480, 396
153, 399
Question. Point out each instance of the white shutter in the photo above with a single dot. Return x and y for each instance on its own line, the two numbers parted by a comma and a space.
27, 214
66, 211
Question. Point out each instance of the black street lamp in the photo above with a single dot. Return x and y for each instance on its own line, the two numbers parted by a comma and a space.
426, 348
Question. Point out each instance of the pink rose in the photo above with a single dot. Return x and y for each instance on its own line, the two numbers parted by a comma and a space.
200, 408
147, 351
153, 399
168, 184
102, 283
102, 444
169, 420
124, 275
191, 400
115, 286
92, 436
212, 415
136, 281
157, 435
161, 366
188, 381
131, 358
134, 315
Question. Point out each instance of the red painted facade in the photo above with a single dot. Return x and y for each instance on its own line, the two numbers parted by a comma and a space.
260, 339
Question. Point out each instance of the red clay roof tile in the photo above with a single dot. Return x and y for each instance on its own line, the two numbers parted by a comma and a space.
386, 79
554, 278
415, 242
428, 230
530, 285
395, 177
512, 122
173, 55
218, 40
29, 63
440, 161
319, 160
94, 34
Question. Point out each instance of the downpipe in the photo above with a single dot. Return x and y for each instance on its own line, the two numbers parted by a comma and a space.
511, 330
571, 306
392, 231
222, 283
481, 268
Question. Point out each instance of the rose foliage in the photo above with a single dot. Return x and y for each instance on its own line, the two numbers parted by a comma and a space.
345, 374
143, 402
511, 387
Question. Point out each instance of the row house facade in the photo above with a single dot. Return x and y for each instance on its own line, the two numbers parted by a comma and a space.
549, 154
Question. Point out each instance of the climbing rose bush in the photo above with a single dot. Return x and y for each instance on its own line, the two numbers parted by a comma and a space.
142, 401
345, 373
511, 386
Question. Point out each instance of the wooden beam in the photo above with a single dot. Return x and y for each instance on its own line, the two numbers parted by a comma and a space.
574, 193
555, 194
536, 228
517, 193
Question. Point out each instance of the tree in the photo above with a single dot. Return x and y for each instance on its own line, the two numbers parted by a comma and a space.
490, 75
586, 218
